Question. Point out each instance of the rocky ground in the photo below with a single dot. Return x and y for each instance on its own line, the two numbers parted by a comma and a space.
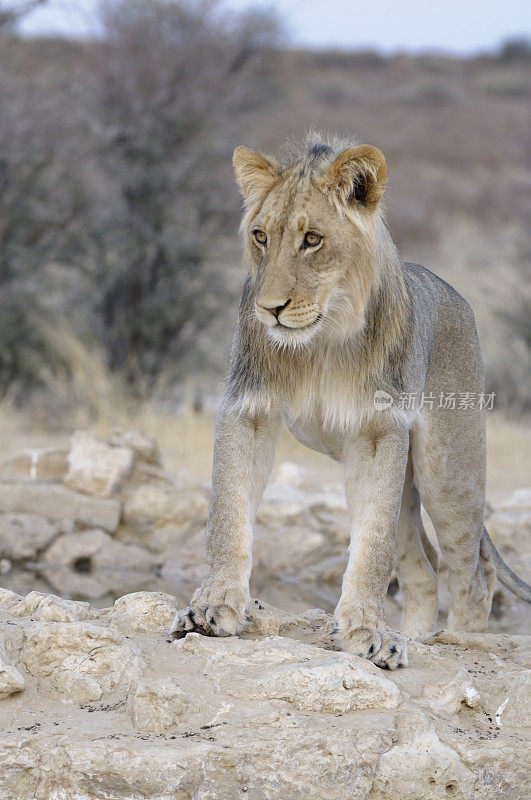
103, 704
97, 701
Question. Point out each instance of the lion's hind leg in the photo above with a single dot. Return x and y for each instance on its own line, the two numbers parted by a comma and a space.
449, 466
416, 565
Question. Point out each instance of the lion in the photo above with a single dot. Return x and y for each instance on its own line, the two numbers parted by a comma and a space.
331, 320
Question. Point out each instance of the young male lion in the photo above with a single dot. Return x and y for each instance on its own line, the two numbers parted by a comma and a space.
331, 323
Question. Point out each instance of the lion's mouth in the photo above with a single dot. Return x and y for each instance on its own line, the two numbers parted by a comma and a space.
303, 328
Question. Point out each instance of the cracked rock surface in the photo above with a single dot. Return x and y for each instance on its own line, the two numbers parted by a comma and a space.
99, 703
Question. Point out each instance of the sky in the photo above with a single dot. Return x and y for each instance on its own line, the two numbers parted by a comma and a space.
454, 26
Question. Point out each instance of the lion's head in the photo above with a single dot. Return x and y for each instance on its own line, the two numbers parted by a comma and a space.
310, 233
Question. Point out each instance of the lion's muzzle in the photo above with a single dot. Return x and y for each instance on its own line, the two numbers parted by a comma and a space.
290, 314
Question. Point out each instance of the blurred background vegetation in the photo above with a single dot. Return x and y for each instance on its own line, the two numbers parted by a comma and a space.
119, 256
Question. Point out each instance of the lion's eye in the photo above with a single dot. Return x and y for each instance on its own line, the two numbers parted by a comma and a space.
312, 240
260, 237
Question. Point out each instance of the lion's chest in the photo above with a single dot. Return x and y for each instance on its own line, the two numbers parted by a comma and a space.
324, 415
311, 434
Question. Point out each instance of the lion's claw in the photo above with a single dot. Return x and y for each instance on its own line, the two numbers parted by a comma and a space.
384, 648
209, 620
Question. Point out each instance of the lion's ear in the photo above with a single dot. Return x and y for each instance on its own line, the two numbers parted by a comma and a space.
357, 176
255, 173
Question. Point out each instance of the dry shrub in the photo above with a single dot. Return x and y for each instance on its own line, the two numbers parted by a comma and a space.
77, 387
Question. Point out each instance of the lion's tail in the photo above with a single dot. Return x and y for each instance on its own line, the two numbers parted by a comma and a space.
505, 575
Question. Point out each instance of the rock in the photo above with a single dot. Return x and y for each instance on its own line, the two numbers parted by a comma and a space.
285, 550
9, 599
447, 699
144, 612
105, 704
80, 661
114, 712
50, 608
329, 570
144, 448
95, 467
316, 618
421, 767
56, 502
509, 526
23, 536
510, 530
513, 711
38, 464
156, 504
92, 563
282, 505
304, 675
11, 681
489, 642
157, 704
322, 509
264, 620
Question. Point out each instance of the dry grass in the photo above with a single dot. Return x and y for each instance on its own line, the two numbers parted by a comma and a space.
81, 384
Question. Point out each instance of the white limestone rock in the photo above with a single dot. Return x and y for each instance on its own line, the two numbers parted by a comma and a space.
50, 608
144, 612
290, 474
37, 464
80, 661
264, 620
421, 767
157, 705
285, 549
144, 448
95, 467
11, 680
114, 712
291, 502
24, 536
509, 526
303, 675
161, 502
56, 502
448, 698
9, 600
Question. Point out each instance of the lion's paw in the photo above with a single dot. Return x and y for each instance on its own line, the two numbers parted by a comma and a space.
384, 648
209, 620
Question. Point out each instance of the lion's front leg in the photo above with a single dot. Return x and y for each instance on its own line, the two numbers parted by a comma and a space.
243, 456
375, 469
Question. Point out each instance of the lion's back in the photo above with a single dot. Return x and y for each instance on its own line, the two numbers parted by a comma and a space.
446, 329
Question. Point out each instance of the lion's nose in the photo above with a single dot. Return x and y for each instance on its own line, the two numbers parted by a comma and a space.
275, 309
